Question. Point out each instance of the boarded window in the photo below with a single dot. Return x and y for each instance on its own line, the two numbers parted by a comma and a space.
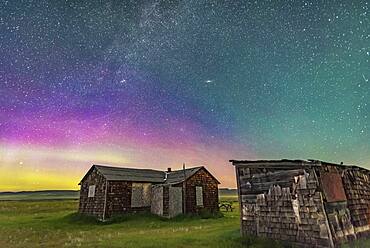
91, 191
141, 195
199, 195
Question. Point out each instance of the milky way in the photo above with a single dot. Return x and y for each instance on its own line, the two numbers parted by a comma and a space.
159, 83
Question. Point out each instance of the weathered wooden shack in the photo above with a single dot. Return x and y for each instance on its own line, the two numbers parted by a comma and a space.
306, 203
107, 191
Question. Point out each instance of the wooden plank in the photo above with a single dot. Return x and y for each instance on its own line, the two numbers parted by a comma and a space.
263, 187
242, 231
278, 174
278, 165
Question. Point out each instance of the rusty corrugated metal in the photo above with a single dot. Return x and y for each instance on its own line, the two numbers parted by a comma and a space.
332, 186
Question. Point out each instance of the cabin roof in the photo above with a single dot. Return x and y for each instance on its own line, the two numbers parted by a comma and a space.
178, 176
130, 174
289, 163
145, 175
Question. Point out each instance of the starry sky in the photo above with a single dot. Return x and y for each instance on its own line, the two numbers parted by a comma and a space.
155, 84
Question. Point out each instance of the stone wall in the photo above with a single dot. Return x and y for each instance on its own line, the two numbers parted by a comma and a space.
210, 192
93, 205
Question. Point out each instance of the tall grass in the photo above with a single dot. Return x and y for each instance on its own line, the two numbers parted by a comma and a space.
56, 224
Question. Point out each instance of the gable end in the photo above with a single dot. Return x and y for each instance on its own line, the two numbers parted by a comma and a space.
206, 171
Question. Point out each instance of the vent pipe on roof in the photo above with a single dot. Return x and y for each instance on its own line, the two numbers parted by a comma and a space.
166, 173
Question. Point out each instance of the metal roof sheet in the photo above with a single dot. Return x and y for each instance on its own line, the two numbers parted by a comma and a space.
290, 163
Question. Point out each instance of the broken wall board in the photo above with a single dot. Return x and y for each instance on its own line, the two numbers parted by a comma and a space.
141, 195
261, 182
283, 204
157, 200
175, 201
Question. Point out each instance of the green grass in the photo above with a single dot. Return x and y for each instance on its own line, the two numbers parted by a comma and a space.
229, 198
361, 243
56, 224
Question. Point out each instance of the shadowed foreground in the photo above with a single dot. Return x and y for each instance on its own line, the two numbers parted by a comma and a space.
55, 224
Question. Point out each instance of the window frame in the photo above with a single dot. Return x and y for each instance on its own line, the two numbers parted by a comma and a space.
199, 196
91, 191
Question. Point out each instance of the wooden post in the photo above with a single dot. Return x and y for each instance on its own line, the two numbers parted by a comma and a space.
331, 241
239, 199
105, 199
184, 190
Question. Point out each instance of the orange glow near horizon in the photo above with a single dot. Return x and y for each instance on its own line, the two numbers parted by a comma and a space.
43, 168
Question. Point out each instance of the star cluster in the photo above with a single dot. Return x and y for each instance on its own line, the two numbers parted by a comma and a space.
158, 83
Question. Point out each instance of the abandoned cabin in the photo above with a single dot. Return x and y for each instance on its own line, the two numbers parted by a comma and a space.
306, 203
107, 191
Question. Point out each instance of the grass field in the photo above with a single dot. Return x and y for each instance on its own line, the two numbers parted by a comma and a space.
55, 224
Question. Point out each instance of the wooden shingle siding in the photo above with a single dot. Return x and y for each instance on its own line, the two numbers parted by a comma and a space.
118, 192
271, 214
305, 203
93, 205
118, 198
357, 187
210, 192
166, 198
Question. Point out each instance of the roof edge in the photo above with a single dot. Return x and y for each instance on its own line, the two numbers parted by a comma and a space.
131, 168
87, 173
203, 167
97, 166
308, 162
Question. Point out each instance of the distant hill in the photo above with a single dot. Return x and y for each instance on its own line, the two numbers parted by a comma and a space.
67, 194
39, 195
227, 191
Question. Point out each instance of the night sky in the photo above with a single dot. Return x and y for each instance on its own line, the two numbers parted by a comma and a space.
156, 84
